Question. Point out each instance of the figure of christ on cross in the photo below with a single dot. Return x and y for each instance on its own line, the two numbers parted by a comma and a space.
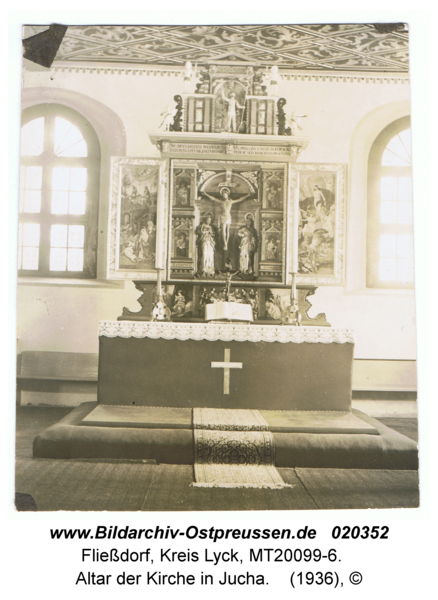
225, 216
226, 366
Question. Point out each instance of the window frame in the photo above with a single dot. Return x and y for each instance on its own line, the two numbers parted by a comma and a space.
374, 226
50, 111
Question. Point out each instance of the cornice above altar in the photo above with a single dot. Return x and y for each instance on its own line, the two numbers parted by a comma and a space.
229, 145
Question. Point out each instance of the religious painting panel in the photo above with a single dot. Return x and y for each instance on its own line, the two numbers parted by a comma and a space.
138, 193
228, 227
320, 223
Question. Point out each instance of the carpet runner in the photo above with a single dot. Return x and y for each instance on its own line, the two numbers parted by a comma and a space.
233, 448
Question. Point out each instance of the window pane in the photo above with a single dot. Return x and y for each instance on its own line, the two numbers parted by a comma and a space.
60, 178
75, 259
20, 234
76, 236
387, 269
78, 179
19, 257
58, 259
388, 212
405, 246
405, 213
58, 236
30, 259
31, 234
32, 138
77, 203
398, 150
68, 139
33, 178
32, 201
388, 188
387, 245
59, 203
405, 189
405, 270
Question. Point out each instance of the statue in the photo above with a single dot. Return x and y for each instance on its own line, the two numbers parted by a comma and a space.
295, 122
275, 78
167, 115
232, 105
226, 205
248, 245
188, 73
206, 241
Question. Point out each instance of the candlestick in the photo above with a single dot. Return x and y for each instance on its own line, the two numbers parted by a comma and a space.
296, 213
160, 311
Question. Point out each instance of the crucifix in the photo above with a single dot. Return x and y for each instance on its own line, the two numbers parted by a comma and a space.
226, 366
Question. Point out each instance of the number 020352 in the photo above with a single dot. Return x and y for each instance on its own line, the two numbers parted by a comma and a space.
354, 533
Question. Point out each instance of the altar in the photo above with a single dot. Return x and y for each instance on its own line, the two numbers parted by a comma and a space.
225, 366
153, 376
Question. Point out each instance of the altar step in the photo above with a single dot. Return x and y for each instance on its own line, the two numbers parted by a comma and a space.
280, 421
302, 439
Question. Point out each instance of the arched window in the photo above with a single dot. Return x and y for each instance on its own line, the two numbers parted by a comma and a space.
59, 189
390, 227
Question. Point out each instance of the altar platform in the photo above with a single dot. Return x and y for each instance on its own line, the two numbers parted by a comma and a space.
152, 375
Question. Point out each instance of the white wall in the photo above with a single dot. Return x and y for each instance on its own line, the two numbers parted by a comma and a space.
65, 317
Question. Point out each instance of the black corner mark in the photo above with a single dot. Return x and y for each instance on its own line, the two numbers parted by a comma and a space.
42, 47
390, 27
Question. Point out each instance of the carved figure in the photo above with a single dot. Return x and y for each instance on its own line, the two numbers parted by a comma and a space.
188, 73
182, 194
271, 249
253, 300
248, 245
206, 240
275, 79
295, 122
225, 217
178, 114
179, 308
273, 196
181, 245
232, 105
281, 119
168, 115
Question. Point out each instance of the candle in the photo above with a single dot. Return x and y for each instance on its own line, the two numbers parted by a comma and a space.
295, 223
159, 250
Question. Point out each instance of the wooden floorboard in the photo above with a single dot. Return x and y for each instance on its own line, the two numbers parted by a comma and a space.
171, 490
85, 486
365, 488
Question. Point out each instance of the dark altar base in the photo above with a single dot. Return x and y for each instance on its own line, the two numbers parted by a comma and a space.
148, 387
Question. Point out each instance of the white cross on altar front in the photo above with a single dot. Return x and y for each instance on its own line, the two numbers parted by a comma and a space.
226, 366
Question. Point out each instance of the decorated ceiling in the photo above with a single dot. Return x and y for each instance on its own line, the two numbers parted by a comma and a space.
340, 47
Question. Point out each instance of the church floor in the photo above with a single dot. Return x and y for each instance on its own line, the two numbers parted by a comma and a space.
89, 485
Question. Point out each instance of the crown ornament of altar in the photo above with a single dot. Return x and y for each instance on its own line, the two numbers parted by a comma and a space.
233, 112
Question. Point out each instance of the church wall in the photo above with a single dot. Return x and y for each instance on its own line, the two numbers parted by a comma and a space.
64, 317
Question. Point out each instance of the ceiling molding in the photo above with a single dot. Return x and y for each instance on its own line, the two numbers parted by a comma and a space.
140, 71
330, 47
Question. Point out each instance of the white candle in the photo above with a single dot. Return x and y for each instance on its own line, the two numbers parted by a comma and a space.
159, 250
295, 222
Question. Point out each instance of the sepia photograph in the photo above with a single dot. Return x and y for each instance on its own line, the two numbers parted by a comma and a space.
215, 293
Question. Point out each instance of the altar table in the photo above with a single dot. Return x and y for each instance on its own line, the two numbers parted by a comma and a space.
225, 366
